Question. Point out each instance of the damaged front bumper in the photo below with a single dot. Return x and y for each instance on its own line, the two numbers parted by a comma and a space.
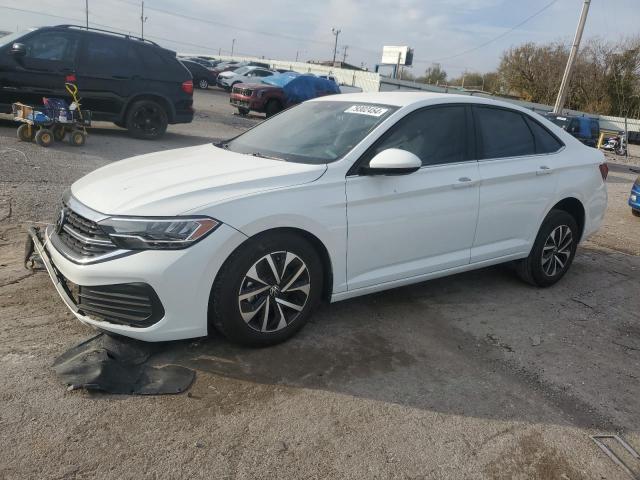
35, 253
152, 295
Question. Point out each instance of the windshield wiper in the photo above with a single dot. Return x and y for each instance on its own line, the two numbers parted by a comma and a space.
262, 155
222, 145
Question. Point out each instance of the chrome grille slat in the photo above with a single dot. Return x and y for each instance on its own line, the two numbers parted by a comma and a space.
83, 237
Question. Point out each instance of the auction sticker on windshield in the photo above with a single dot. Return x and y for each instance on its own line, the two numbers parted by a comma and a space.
367, 110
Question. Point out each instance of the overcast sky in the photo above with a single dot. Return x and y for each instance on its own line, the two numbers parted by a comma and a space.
436, 29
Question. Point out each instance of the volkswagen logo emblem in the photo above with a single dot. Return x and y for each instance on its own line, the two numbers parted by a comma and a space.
62, 217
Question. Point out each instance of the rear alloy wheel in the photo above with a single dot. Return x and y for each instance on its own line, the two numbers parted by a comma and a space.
203, 84
147, 119
552, 252
266, 290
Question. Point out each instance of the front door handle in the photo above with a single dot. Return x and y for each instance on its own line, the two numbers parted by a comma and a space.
464, 182
544, 170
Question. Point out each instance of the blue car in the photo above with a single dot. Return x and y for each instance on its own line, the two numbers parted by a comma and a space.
634, 198
585, 129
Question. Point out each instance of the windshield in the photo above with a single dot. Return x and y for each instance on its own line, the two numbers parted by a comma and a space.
242, 70
312, 132
12, 37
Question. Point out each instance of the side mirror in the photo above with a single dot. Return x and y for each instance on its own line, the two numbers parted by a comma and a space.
18, 50
393, 161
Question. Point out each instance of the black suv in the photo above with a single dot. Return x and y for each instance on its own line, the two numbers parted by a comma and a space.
131, 82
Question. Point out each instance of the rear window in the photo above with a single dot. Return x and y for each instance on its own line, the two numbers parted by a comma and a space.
545, 141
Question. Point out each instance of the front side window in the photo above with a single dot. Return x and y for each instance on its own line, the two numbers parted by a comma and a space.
503, 133
313, 132
435, 135
52, 46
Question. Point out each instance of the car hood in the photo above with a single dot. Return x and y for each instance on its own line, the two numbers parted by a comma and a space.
174, 182
226, 74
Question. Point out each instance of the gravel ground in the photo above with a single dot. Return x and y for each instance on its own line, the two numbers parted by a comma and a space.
471, 376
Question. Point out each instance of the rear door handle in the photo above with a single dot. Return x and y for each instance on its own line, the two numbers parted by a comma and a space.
544, 170
464, 182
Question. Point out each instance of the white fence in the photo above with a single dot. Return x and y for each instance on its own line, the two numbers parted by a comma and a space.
367, 81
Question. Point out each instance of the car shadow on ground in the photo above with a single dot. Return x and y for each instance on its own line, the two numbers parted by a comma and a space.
405, 346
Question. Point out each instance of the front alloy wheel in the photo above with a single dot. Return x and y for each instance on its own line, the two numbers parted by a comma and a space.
267, 289
274, 291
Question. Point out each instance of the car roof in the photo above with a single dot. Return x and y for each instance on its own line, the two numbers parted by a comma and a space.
405, 99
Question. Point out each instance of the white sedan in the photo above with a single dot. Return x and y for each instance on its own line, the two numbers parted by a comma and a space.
247, 74
338, 197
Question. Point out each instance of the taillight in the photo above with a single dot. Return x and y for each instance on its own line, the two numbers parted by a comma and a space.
604, 170
187, 87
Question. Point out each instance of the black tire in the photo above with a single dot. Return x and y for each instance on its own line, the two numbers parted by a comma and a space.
59, 131
44, 137
77, 138
272, 107
635, 213
147, 119
225, 303
243, 111
26, 133
203, 83
532, 270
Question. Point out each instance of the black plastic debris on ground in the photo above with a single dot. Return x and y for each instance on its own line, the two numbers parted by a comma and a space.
120, 365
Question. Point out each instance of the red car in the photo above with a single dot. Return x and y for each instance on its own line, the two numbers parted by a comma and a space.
279, 92
259, 98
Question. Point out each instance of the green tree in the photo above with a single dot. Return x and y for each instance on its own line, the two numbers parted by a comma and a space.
434, 75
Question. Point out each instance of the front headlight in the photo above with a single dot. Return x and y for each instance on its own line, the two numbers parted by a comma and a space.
133, 233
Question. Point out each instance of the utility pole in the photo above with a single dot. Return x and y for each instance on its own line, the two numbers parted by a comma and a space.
344, 54
233, 44
86, 12
143, 19
566, 78
336, 32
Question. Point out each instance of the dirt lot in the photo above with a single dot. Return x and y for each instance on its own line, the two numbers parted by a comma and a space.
472, 376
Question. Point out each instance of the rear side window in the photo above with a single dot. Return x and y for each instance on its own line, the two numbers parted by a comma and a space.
546, 142
595, 129
435, 135
105, 55
503, 133
160, 63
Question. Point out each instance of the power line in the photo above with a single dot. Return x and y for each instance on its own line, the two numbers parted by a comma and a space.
67, 18
502, 35
229, 26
